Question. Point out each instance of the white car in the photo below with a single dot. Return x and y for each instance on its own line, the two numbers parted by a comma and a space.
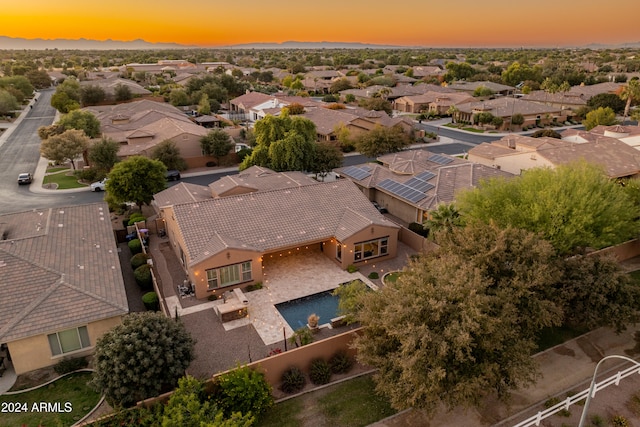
98, 186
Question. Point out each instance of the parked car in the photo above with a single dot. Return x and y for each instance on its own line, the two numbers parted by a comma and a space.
381, 209
25, 178
172, 175
98, 186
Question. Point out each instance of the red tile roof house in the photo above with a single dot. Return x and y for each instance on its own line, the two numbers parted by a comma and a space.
435, 102
223, 238
410, 184
516, 153
61, 283
141, 125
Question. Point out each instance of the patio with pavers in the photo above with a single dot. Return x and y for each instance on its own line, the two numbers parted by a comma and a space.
221, 346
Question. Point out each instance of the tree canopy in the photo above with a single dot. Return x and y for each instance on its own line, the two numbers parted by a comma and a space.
169, 154
141, 357
81, 120
574, 206
103, 154
283, 143
216, 143
600, 116
326, 157
65, 147
8, 102
382, 140
460, 322
136, 179
67, 96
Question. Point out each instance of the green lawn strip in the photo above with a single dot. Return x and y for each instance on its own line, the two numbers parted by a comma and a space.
392, 277
64, 181
56, 170
72, 389
473, 130
354, 403
283, 414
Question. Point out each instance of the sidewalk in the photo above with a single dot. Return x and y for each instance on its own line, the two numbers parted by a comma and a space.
566, 367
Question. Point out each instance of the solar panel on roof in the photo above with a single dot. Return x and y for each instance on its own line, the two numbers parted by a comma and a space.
425, 176
356, 172
402, 190
420, 185
440, 159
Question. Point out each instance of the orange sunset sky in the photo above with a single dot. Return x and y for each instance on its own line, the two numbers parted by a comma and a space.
210, 23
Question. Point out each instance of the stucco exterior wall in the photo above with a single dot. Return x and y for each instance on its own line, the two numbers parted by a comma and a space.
198, 272
514, 163
34, 352
398, 208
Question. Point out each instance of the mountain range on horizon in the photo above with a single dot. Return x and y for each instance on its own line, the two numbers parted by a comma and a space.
17, 43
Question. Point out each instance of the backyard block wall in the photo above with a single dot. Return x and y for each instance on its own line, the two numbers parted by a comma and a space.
622, 252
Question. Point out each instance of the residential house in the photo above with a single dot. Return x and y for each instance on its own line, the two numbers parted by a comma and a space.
470, 87
260, 216
562, 100
62, 286
109, 86
141, 125
630, 135
390, 93
516, 153
242, 104
433, 102
412, 183
589, 91
505, 107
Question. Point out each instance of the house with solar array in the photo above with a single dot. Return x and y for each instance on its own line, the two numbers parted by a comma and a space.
224, 233
411, 183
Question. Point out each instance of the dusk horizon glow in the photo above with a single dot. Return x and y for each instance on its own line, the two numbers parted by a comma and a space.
210, 23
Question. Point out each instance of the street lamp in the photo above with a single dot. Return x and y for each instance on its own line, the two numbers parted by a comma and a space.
593, 384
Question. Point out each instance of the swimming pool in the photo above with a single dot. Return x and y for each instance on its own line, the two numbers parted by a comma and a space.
296, 311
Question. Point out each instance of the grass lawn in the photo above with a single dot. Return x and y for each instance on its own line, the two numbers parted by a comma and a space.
350, 404
63, 180
392, 277
473, 130
72, 389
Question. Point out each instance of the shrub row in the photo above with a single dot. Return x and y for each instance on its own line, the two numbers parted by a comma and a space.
71, 364
320, 371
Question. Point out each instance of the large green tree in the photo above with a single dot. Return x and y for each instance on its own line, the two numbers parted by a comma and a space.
604, 100
141, 357
67, 96
294, 138
517, 73
573, 206
382, 140
216, 143
460, 322
600, 116
103, 154
168, 153
65, 147
92, 95
136, 179
630, 93
326, 157
39, 78
8, 102
81, 120
19, 83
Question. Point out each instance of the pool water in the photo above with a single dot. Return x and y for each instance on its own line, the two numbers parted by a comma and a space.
296, 311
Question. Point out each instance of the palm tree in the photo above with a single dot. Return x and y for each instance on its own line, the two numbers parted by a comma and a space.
630, 93
444, 219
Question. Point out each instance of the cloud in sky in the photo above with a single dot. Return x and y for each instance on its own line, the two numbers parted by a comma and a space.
408, 22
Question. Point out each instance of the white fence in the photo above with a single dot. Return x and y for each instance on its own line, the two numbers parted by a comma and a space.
564, 405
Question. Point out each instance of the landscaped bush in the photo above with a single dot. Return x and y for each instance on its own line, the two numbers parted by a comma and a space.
136, 218
619, 421
151, 301
293, 380
142, 275
69, 365
341, 362
373, 275
319, 372
135, 246
243, 390
210, 164
139, 259
254, 287
352, 268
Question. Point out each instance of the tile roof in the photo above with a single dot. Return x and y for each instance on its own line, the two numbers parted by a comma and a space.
270, 220
472, 86
250, 100
59, 268
448, 179
257, 178
183, 192
506, 107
